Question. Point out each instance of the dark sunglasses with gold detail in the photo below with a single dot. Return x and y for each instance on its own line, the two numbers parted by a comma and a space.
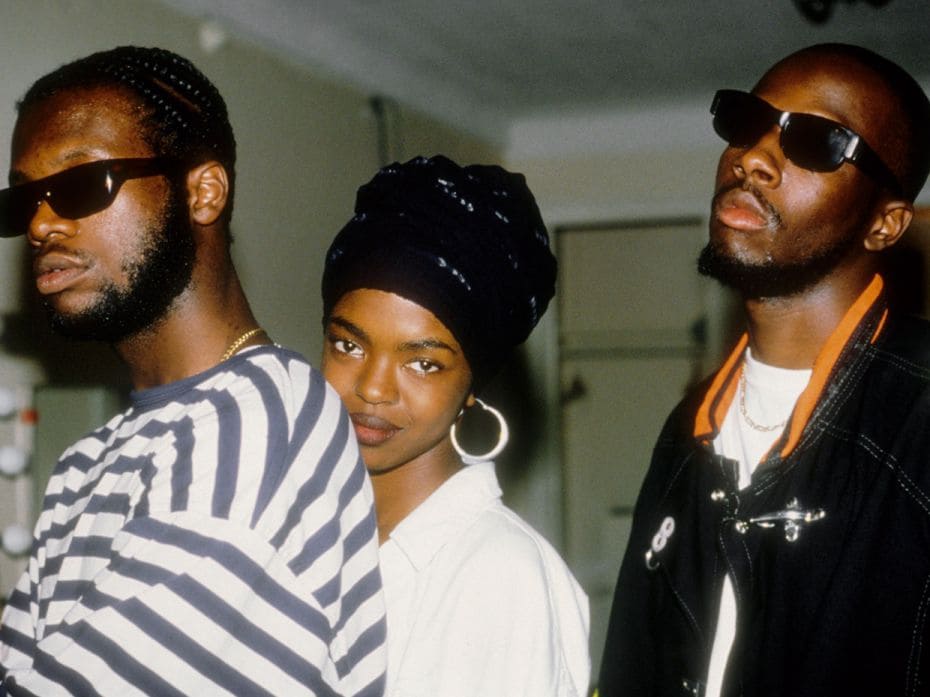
812, 142
76, 192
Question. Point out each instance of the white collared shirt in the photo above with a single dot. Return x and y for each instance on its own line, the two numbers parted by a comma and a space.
479, 603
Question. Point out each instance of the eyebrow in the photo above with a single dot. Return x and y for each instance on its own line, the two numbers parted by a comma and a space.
406, 346
350, 327
17, 177
421, 344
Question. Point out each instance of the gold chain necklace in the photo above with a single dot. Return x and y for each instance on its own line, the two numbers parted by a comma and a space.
742, 410
237, 344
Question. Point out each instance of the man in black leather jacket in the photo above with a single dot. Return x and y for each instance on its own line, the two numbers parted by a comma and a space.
781, 541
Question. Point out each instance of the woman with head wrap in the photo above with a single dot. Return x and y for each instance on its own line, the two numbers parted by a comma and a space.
442, 272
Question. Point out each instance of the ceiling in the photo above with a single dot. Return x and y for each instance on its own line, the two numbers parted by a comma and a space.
483, 64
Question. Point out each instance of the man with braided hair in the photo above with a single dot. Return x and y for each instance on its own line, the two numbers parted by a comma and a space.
218, 536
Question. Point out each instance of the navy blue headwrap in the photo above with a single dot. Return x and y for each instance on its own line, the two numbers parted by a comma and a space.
466, 243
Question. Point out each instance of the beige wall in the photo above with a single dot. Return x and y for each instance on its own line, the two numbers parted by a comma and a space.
415, 134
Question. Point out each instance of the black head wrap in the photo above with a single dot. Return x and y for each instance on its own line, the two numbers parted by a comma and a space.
466, 243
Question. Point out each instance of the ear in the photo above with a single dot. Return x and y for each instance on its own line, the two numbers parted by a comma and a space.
208, 191
470, 400
890, 223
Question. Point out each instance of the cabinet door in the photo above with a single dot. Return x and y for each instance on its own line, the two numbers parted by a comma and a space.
631, 318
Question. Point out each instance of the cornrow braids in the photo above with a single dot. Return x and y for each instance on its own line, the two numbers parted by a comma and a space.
185, 116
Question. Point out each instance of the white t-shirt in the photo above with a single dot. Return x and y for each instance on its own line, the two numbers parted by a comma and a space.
768, 395
479, 603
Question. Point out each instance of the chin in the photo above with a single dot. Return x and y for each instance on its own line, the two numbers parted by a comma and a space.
377, 469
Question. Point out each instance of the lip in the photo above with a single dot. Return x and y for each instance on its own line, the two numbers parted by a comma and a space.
742, 210
371, 430
56, 272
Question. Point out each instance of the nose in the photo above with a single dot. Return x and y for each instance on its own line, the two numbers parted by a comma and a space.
761, 163
376, 383
46, 223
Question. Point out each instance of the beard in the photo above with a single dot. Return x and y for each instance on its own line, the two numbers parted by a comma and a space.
158, 274
770, 279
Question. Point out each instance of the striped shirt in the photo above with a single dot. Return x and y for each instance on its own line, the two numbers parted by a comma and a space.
217, 538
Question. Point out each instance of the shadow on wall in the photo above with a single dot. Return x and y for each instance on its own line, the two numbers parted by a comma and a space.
905, 273
521, 400
66, 362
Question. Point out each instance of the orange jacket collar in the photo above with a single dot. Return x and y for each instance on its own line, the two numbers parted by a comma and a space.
722, 389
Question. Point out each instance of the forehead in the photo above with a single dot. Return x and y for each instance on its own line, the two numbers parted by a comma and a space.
391, 318
835, 87
75, 126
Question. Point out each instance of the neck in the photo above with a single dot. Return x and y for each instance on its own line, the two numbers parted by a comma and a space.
790, 332
201, 324
400, 490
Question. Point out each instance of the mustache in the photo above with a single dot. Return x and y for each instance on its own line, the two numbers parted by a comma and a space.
56, 247
773, 213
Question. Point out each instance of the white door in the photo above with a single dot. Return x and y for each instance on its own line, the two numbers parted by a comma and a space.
632, 320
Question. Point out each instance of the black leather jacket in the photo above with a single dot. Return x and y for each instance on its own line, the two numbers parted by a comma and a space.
828, 547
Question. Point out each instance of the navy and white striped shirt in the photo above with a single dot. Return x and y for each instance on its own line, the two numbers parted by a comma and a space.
217, 538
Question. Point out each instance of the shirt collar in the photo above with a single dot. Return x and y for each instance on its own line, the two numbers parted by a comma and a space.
448, 510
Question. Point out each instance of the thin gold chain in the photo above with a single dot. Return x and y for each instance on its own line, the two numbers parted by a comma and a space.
237, 344
742, 410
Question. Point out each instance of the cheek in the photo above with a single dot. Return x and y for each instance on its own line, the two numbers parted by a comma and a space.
823, 213
112, 247
803, 212
439, 406
142, 205
339, 376
824, 192
124, 231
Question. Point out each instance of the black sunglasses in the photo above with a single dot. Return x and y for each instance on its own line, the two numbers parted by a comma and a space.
76, 192
812, 142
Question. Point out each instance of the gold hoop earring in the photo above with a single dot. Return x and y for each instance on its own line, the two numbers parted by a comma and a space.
502, 438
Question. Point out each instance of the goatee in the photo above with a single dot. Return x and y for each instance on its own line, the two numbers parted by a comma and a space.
770, 279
